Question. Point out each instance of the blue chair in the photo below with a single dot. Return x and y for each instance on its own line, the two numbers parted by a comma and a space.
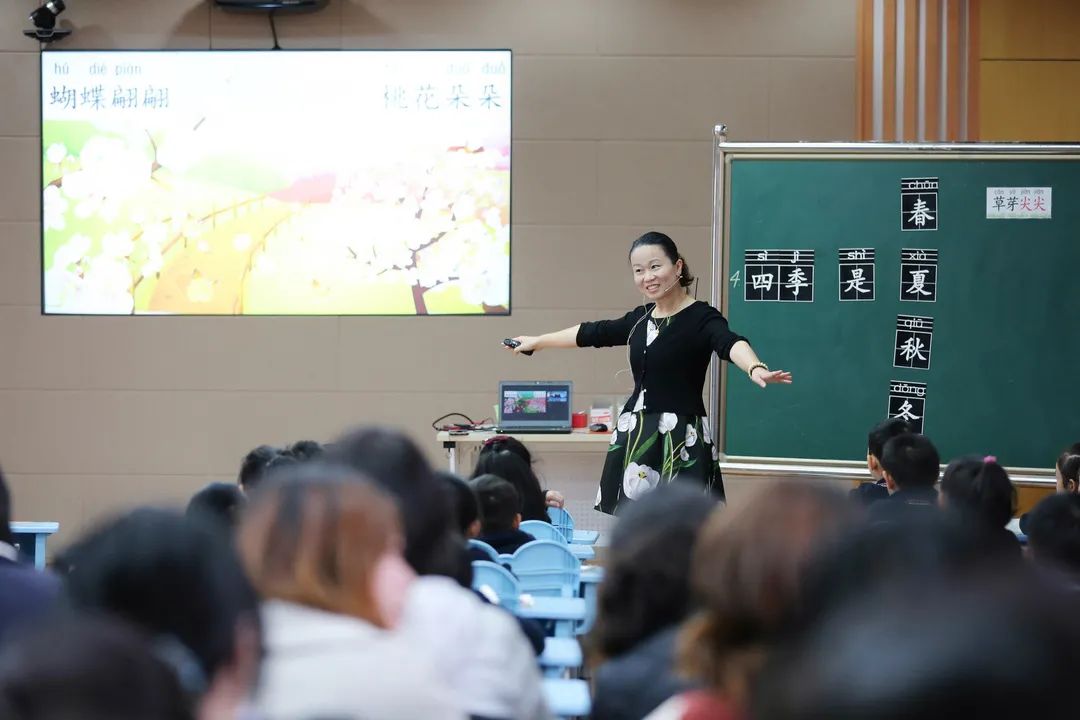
499, 580
567, 698
485, 548
561, 654
564, 521
591, 577
546, 531
543, 531
547, 568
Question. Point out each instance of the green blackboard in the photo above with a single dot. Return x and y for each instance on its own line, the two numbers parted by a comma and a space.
1004, 356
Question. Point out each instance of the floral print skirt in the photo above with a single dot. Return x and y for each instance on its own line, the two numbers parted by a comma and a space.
652, 449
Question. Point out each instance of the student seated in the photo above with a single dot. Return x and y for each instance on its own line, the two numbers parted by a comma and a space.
508, 458
979, 491
323, 547
870, 492
910, 466
1054, 536
500, 514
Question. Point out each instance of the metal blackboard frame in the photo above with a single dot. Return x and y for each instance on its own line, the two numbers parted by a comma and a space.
720, 261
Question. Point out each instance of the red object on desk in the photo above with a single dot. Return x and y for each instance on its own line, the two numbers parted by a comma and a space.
579, 420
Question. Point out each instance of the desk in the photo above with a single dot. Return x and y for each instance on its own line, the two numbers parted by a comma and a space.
30, 538
472, 437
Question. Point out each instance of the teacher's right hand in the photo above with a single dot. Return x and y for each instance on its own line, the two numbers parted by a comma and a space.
528, 343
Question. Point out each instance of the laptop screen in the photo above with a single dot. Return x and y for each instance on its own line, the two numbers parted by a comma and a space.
529, 404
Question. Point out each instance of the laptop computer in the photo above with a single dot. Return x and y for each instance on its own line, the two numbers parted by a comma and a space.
535, 406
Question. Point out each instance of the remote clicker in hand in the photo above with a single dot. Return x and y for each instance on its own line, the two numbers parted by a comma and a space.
512, 343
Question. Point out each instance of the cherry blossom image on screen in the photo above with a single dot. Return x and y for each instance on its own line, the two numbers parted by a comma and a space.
262, 183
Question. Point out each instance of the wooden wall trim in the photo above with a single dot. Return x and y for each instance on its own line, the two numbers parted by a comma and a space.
864, 69
952, 70
974, 56
932, 89
911, 71
888, 73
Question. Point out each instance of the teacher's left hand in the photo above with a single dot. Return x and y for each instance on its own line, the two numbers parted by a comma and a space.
764, 377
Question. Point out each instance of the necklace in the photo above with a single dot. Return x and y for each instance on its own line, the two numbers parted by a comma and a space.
689, 301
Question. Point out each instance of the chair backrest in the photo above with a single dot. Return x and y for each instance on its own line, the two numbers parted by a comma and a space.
563, 522
485, 548
542, 531
546, 568
499, 580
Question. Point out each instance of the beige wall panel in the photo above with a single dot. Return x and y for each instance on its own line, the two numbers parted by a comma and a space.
554, 182
1037, 29
20, 87
558, 98
147, 25
20, 197
105, 496
586, 264
124, 353
1010, 89
301, 31
655, 182
106, 432
430, 355
811, 99
727, 27
20, 263
526, 26
682, 98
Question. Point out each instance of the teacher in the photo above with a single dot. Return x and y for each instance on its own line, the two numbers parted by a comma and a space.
663, 433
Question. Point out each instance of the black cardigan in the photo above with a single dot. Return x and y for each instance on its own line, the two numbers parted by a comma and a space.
674, 375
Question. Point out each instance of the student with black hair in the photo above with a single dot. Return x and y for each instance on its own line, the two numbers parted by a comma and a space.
910, 464
25, 592
513, 469
505, 443
870, 492
482, 653
304, 450
500, 514
979, 490
218, 502
179, 581
1001, 645
1067, 470
662, 432
643, 599
253, 467
90, 667
1053, 532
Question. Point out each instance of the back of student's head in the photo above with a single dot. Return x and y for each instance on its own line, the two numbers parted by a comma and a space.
393, 462
1053, 531
979, 488
253, 466
870, 558
305, 450
501, 443
911, 460
997, 646
646, 587
510, 467
746, 573
5, 511
466, 508
315, 535
218, 502
171, 576
499, 501
883, 432
88, 667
